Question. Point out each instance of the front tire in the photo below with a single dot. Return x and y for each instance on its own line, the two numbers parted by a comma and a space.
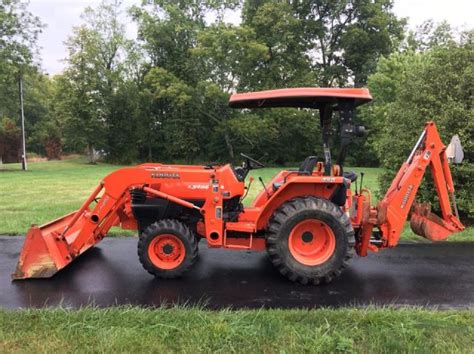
310, 240
167, 249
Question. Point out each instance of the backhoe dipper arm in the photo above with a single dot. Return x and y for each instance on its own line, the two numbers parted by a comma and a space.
393, 210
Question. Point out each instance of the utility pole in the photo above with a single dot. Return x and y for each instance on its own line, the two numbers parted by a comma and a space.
24, 165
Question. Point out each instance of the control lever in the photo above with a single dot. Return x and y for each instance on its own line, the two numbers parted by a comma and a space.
247, 188
361, 180
264, 187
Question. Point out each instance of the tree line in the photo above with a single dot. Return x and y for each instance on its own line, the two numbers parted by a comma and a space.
162, 96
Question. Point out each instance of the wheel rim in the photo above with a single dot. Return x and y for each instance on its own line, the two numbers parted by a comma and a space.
166, 251
312, 242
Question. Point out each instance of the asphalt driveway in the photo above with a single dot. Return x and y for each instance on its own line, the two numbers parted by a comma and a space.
434, 275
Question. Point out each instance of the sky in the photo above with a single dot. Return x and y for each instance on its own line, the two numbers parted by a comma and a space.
62, 15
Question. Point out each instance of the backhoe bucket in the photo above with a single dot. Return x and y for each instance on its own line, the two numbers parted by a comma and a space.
429, 225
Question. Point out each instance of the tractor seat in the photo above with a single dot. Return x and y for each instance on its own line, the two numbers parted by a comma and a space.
306, 168
350, 175
339, 195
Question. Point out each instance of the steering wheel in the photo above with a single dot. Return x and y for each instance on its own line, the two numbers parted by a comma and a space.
251, 162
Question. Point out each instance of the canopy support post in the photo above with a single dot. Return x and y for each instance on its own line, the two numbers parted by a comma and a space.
325, 117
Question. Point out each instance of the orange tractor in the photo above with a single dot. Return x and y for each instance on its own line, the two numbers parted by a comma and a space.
309, 220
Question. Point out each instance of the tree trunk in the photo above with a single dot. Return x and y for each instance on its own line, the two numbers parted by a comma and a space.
150, 155
358, 82
90, 150
228, 143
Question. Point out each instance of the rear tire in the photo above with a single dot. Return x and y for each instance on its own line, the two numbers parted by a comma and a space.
167, 249
310, 240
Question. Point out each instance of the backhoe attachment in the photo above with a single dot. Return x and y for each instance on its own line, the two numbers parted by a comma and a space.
393, 210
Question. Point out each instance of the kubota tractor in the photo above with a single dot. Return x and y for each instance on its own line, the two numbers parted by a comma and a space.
310, 220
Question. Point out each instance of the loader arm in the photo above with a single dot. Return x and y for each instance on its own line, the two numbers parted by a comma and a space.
50, 247
393, 210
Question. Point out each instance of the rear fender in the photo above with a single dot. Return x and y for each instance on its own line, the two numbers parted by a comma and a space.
323, 188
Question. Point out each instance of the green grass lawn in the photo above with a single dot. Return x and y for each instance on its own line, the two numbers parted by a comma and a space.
386, 330
49, 190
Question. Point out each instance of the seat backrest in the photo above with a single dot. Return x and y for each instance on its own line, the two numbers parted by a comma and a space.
308, 165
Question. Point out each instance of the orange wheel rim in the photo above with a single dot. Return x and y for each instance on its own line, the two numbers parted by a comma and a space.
312, 242
166, 251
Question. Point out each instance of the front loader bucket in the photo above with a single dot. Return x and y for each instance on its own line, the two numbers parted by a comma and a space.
45, 250
35, 259
429, 225
48, 248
